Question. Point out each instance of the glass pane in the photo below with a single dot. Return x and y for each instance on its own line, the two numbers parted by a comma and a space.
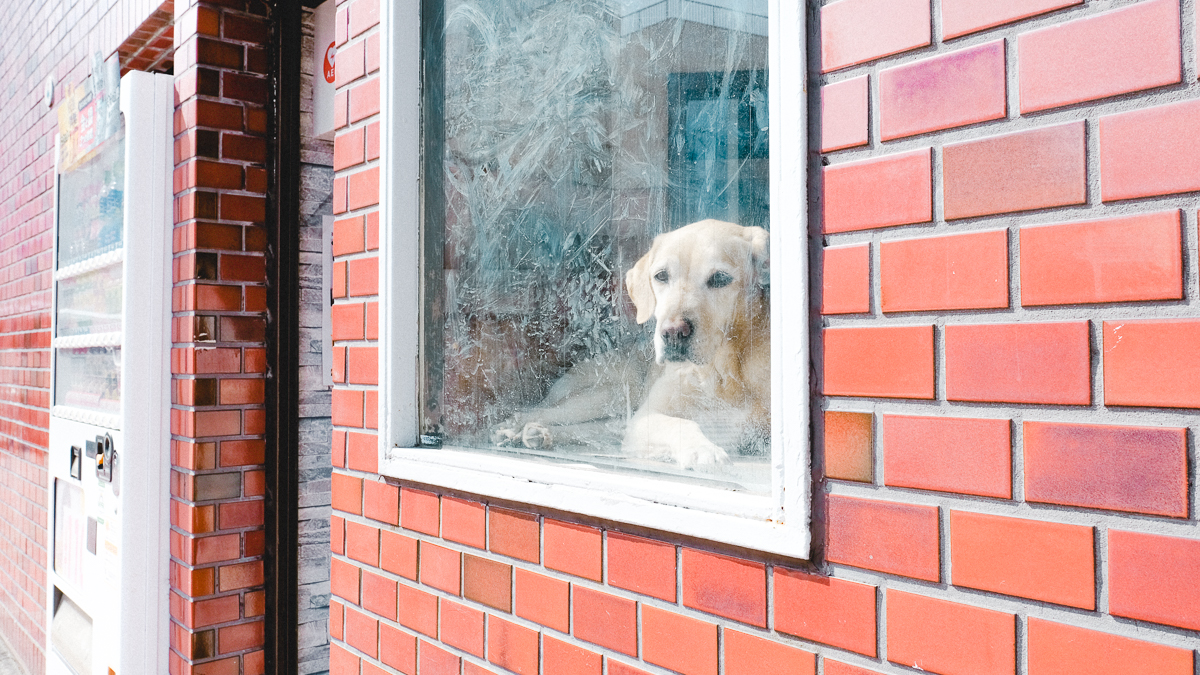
561, 139
90, 303
90, 202
88, 378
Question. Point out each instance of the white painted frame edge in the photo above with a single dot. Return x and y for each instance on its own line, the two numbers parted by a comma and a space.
778, 524
147, 101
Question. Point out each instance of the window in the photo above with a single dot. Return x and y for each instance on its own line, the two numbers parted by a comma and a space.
579, 309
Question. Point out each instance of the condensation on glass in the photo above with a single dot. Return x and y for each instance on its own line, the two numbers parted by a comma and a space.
561, 138
88, 277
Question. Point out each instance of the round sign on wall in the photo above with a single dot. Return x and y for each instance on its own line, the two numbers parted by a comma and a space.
330, 51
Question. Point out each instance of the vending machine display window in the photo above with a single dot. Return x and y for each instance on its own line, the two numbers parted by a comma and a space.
87, 324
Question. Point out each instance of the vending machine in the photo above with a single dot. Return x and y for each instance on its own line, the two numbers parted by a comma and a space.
109, 421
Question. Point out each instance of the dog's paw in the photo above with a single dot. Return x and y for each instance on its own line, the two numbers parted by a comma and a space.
536, 437
505, 437
701, 456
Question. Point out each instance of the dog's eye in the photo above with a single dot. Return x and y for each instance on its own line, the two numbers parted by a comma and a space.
662, 276
719, 280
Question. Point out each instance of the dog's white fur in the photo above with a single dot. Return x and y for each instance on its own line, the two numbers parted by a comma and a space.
704, 396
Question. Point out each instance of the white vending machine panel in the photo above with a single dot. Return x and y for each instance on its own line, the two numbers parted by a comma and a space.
110, 402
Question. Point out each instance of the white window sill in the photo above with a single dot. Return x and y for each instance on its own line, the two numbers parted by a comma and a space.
737, 519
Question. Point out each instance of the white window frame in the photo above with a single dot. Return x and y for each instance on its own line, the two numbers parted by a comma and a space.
777, 523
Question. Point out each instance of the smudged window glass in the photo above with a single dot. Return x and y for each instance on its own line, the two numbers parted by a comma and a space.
561, 139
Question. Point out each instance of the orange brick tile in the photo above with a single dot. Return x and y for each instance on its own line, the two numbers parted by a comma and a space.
1152, 363
1113, 260
965, 271
1123, 50
1052, 562
827, 610
949, 638
729, 587
894, 362
641, 565
849, 446
574, 549
679, 643
949, 454
1058, 648
878, 192
853, 31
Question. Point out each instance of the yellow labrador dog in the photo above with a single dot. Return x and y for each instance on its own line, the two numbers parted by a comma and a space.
710, 394
707, 392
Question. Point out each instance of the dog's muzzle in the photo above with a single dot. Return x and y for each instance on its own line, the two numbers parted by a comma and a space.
676, 338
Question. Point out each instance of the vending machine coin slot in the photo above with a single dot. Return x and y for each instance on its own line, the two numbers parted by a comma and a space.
105, 456
76, 462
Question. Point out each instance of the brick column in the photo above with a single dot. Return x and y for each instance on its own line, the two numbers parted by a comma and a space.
219, 358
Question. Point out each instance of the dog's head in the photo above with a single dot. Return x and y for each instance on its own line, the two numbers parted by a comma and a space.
698, 282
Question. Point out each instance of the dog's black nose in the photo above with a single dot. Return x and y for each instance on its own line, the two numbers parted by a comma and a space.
675, 337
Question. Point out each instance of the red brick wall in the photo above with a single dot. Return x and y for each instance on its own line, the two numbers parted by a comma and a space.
1009, 372
223, 91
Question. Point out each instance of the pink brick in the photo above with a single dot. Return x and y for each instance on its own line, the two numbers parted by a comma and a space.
826, 610
440, 567
1136, 469
1058, 648
1118, 51
948, 90
751, 655
420, 511
949, 454
463, 521
846, 280
572, 548
1154, 578
562, 658
1153, 151
891, 361
960, 17
1019, 363
844, 114
949, 638
838, 668
878, 192
1152, 363
1052, 562
1114, 260
641, 565
963, 271
606, 620
1033, 169
853, 31
883, 536
679, 643
729, 587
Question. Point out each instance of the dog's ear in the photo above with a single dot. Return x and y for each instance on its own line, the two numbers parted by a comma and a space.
760, 253
637, 282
